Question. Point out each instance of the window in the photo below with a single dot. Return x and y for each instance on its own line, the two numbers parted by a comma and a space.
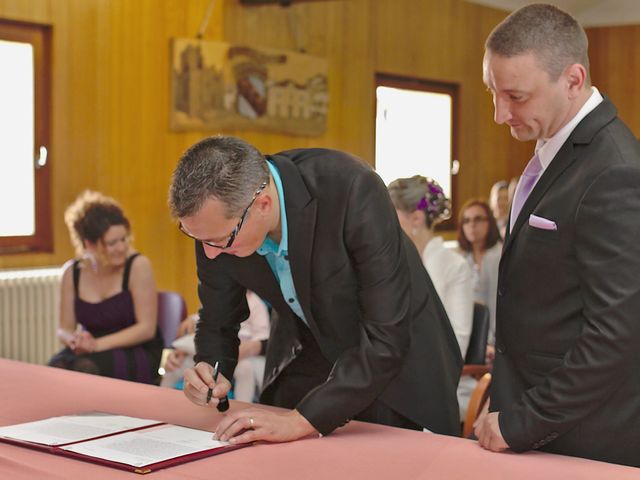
25, 221
415, 131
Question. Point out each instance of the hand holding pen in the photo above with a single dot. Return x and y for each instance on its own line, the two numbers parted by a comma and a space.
203, 384
223, 403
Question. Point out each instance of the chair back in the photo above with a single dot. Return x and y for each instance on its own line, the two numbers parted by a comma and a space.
172, 309
478, 399
477, 350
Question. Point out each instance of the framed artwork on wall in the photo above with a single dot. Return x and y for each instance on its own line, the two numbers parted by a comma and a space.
218, 86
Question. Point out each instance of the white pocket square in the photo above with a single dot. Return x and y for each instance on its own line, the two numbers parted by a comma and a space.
542, 223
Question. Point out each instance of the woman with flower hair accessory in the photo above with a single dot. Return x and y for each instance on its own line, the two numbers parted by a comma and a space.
421, 204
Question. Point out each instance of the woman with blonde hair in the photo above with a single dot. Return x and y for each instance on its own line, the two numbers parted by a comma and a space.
421, 204
109, 301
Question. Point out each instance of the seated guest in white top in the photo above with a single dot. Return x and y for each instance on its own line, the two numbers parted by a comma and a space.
479, 242
249, 372
421, 205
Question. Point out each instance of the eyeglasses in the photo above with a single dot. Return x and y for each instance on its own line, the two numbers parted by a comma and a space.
474, 220
236, 230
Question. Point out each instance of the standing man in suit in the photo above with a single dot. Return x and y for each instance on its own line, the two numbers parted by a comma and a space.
566, 375
360, 332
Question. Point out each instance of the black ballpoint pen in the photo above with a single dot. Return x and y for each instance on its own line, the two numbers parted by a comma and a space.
223, 403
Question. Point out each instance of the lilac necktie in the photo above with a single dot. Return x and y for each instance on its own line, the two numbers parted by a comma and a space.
525, 185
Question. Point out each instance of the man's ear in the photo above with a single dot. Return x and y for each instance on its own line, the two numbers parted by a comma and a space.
576, 76
264, 203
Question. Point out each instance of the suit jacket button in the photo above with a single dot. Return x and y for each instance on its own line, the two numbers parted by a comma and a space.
500, 347
501, 291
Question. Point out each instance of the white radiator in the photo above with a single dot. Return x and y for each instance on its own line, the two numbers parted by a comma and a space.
29, 311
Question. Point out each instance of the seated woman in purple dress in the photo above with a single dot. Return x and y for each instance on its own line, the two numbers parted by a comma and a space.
109, 301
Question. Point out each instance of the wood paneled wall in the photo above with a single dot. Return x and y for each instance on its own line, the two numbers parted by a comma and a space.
111, 96
110, 118
438, 40
444, 40
615, 69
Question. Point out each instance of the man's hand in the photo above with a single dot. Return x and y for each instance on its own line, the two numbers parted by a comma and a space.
254, 424
197, 382
488, 432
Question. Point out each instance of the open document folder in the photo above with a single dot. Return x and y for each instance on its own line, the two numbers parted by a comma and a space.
136, 444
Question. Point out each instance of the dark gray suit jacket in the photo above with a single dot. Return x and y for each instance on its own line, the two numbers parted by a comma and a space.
567, 369
369, 302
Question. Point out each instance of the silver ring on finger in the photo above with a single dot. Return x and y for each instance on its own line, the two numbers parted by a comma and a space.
251, 422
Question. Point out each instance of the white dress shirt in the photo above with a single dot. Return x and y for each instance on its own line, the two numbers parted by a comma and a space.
548, 148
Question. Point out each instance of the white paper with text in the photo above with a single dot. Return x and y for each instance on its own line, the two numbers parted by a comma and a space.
72, 428
148, 446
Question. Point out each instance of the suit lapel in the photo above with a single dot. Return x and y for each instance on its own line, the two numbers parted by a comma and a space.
584, 132
563, 159
301, 222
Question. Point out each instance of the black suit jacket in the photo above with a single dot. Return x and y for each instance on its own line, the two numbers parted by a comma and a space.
567, 368
369, 302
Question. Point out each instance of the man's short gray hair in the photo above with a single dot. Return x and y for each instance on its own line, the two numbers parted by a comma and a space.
226, 168
552, 35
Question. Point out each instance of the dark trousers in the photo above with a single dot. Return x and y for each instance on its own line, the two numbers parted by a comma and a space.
310, 369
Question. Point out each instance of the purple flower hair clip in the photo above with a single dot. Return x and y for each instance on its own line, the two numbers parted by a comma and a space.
434, 203
435, 189
422, 204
